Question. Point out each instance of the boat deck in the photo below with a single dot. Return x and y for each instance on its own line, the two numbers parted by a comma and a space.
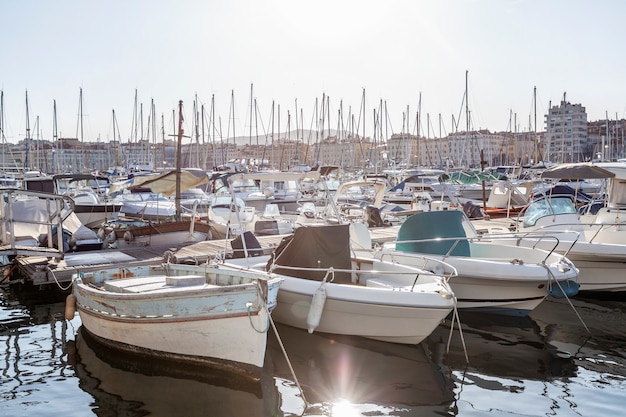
42, 270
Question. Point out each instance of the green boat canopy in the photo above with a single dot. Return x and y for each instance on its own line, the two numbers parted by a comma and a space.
471, 177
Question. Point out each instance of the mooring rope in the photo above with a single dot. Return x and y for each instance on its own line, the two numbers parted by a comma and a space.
455, 317
552, 277
57, 281
293, 374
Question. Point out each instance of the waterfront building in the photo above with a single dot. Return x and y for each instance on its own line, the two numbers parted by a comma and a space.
566, 133
607, 139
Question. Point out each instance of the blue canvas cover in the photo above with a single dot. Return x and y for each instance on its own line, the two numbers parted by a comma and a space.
432, 225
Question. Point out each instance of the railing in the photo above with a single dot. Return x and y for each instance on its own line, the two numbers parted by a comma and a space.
58, 209
492, 238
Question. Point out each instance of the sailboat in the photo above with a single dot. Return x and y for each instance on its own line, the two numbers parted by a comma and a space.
144, 230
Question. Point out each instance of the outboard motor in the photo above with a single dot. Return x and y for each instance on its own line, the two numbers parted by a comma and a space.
373, 217
472, 210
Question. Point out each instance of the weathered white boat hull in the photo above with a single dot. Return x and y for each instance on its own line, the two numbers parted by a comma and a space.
196, 338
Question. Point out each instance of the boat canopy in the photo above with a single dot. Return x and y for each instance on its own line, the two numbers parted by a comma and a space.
471, 177
434, 232
577, 171
164, 183
312, 250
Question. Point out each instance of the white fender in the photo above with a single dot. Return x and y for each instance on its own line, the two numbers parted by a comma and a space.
70, 307
317, 307
128, 236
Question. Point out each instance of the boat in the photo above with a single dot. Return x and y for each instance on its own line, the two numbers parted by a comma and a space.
196, 313
234, 212
89, 193
145, 197
287, 190
353, 201
492, 277
31, 219
122, 233
594, 240
471, 184
142, 203
229, 216
506, 199
417, 181
328, 290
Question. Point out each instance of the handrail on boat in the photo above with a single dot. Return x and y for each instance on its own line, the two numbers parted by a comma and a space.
478, 239
58, 207
536, 236
359, 271
446, 270
597, 227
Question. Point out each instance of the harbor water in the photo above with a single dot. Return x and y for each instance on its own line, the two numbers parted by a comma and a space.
562, 360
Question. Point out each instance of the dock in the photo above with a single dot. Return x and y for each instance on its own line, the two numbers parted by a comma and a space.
47, 270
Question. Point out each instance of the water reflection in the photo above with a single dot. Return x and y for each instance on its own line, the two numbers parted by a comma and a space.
34, 366
543, 364
602, 349
365, 376
125, 384
507, 347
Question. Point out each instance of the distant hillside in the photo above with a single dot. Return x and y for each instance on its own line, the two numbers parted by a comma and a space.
307, 136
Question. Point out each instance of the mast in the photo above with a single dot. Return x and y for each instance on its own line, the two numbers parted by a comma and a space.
80, 129
535, 137
419, 130
163, 159
272, 147
54, 135
154, 134
250, 135
27, 140
196, 122
467, 117
206, 148
5, 148
232, 110
178, 156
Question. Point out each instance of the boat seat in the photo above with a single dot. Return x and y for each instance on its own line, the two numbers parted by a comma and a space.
429, 226
135, 285
185, 280
360, 237
252, 246
381, 283
144, 284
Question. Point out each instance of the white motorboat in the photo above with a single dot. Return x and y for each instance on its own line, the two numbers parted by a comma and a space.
146, 205
229, 216
492, 277
594, 241
327, 289
121, 233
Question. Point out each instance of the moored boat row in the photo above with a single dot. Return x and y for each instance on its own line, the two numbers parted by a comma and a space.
329, 278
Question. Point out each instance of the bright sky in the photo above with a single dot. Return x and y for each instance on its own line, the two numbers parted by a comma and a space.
288, 51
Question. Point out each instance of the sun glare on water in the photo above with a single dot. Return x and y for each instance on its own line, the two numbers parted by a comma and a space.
344, 408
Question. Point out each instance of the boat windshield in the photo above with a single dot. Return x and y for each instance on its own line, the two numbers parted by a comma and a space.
548, 207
